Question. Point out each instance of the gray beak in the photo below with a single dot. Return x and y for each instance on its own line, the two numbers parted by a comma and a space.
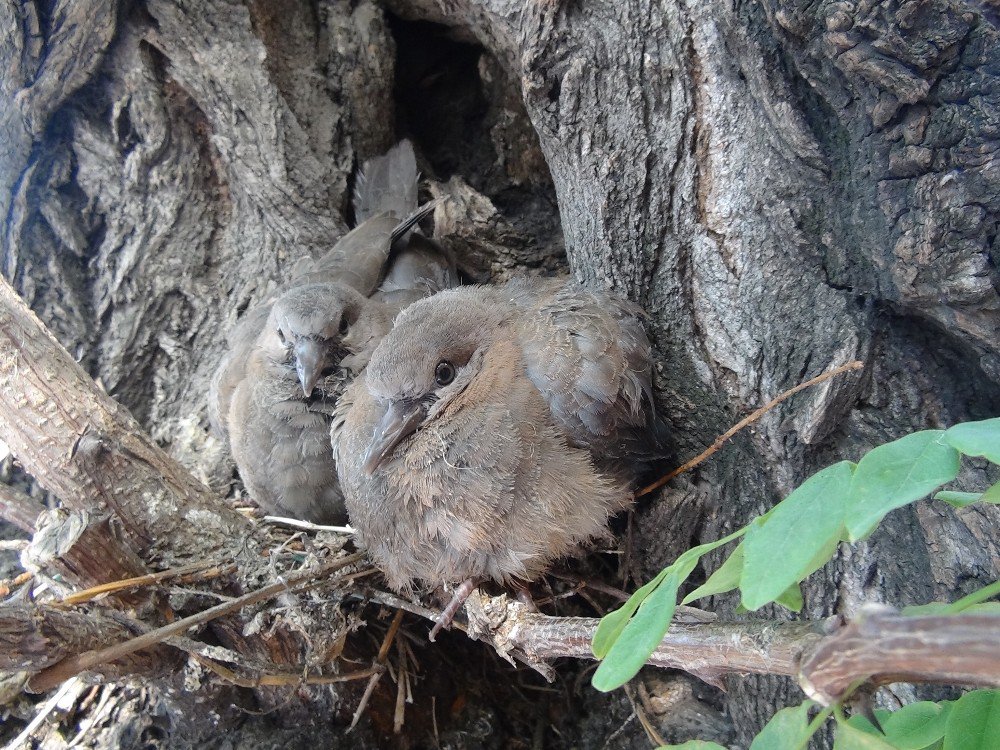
310, 356
402, 418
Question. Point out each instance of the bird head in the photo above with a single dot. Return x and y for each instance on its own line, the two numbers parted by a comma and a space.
316, 328
433, 352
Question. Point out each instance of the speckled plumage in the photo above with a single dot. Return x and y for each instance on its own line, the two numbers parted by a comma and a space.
522, 457
290, 358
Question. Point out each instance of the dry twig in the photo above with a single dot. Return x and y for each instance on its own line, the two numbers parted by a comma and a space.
379, 666
639, 707
753, 417
279, 679
68, 688
295, 523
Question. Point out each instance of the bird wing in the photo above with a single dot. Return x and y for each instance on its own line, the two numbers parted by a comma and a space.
588, 354
419, 270
385, 193
359, 258
233, 367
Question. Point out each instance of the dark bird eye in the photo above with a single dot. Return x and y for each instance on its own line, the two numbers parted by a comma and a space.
444, 373
343, 325
281, 336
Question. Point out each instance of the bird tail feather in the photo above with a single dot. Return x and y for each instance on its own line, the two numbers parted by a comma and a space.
387, 183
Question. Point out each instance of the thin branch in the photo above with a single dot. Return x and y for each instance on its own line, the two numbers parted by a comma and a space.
272, 679
81, 445
295, 523
396, 602
885, 646
753, 417
19, 508
378, 666
703, 649
73, 687
826, 657
640, 711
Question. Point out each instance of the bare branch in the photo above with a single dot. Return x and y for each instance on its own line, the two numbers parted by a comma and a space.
828, 659
18, 508
88, 450
36, 636
885, 646
748, 420
707, 650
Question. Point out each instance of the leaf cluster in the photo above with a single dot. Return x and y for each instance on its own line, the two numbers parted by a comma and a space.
844, 502
970, 723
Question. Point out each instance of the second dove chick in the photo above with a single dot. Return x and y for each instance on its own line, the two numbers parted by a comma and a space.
278, 423
495, 430
289, 359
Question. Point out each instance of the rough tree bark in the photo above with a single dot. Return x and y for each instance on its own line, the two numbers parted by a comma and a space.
783, 185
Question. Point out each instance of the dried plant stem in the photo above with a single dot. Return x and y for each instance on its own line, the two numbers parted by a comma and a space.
270, 679
378, 666
195, 571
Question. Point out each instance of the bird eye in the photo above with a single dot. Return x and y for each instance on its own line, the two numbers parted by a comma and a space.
343, 326
444, 373
281, 336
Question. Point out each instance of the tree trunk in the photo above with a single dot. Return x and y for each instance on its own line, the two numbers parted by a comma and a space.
783, 185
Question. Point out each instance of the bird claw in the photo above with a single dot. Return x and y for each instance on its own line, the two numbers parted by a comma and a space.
447, 615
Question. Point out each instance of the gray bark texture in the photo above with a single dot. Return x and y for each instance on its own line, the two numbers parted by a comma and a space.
783, 185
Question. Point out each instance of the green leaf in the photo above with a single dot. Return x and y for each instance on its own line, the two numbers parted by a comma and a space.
979, 598
791, 598
959, 499
976, 438
985, 608
895, 474
992, 495
974, 722
861, 722
782, 549
789, 729
976, 597
726, 578
916, 726
693, 745
687, 561
625, 643
613, 623
851, 737
640, 636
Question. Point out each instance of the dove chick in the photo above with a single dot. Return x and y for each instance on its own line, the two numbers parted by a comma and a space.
290, 358
278, 414
495, 430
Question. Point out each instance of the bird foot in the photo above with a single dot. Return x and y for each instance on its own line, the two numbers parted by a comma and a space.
524, 596
448, 614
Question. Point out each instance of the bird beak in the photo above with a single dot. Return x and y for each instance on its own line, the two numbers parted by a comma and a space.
310, 356
402, 418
